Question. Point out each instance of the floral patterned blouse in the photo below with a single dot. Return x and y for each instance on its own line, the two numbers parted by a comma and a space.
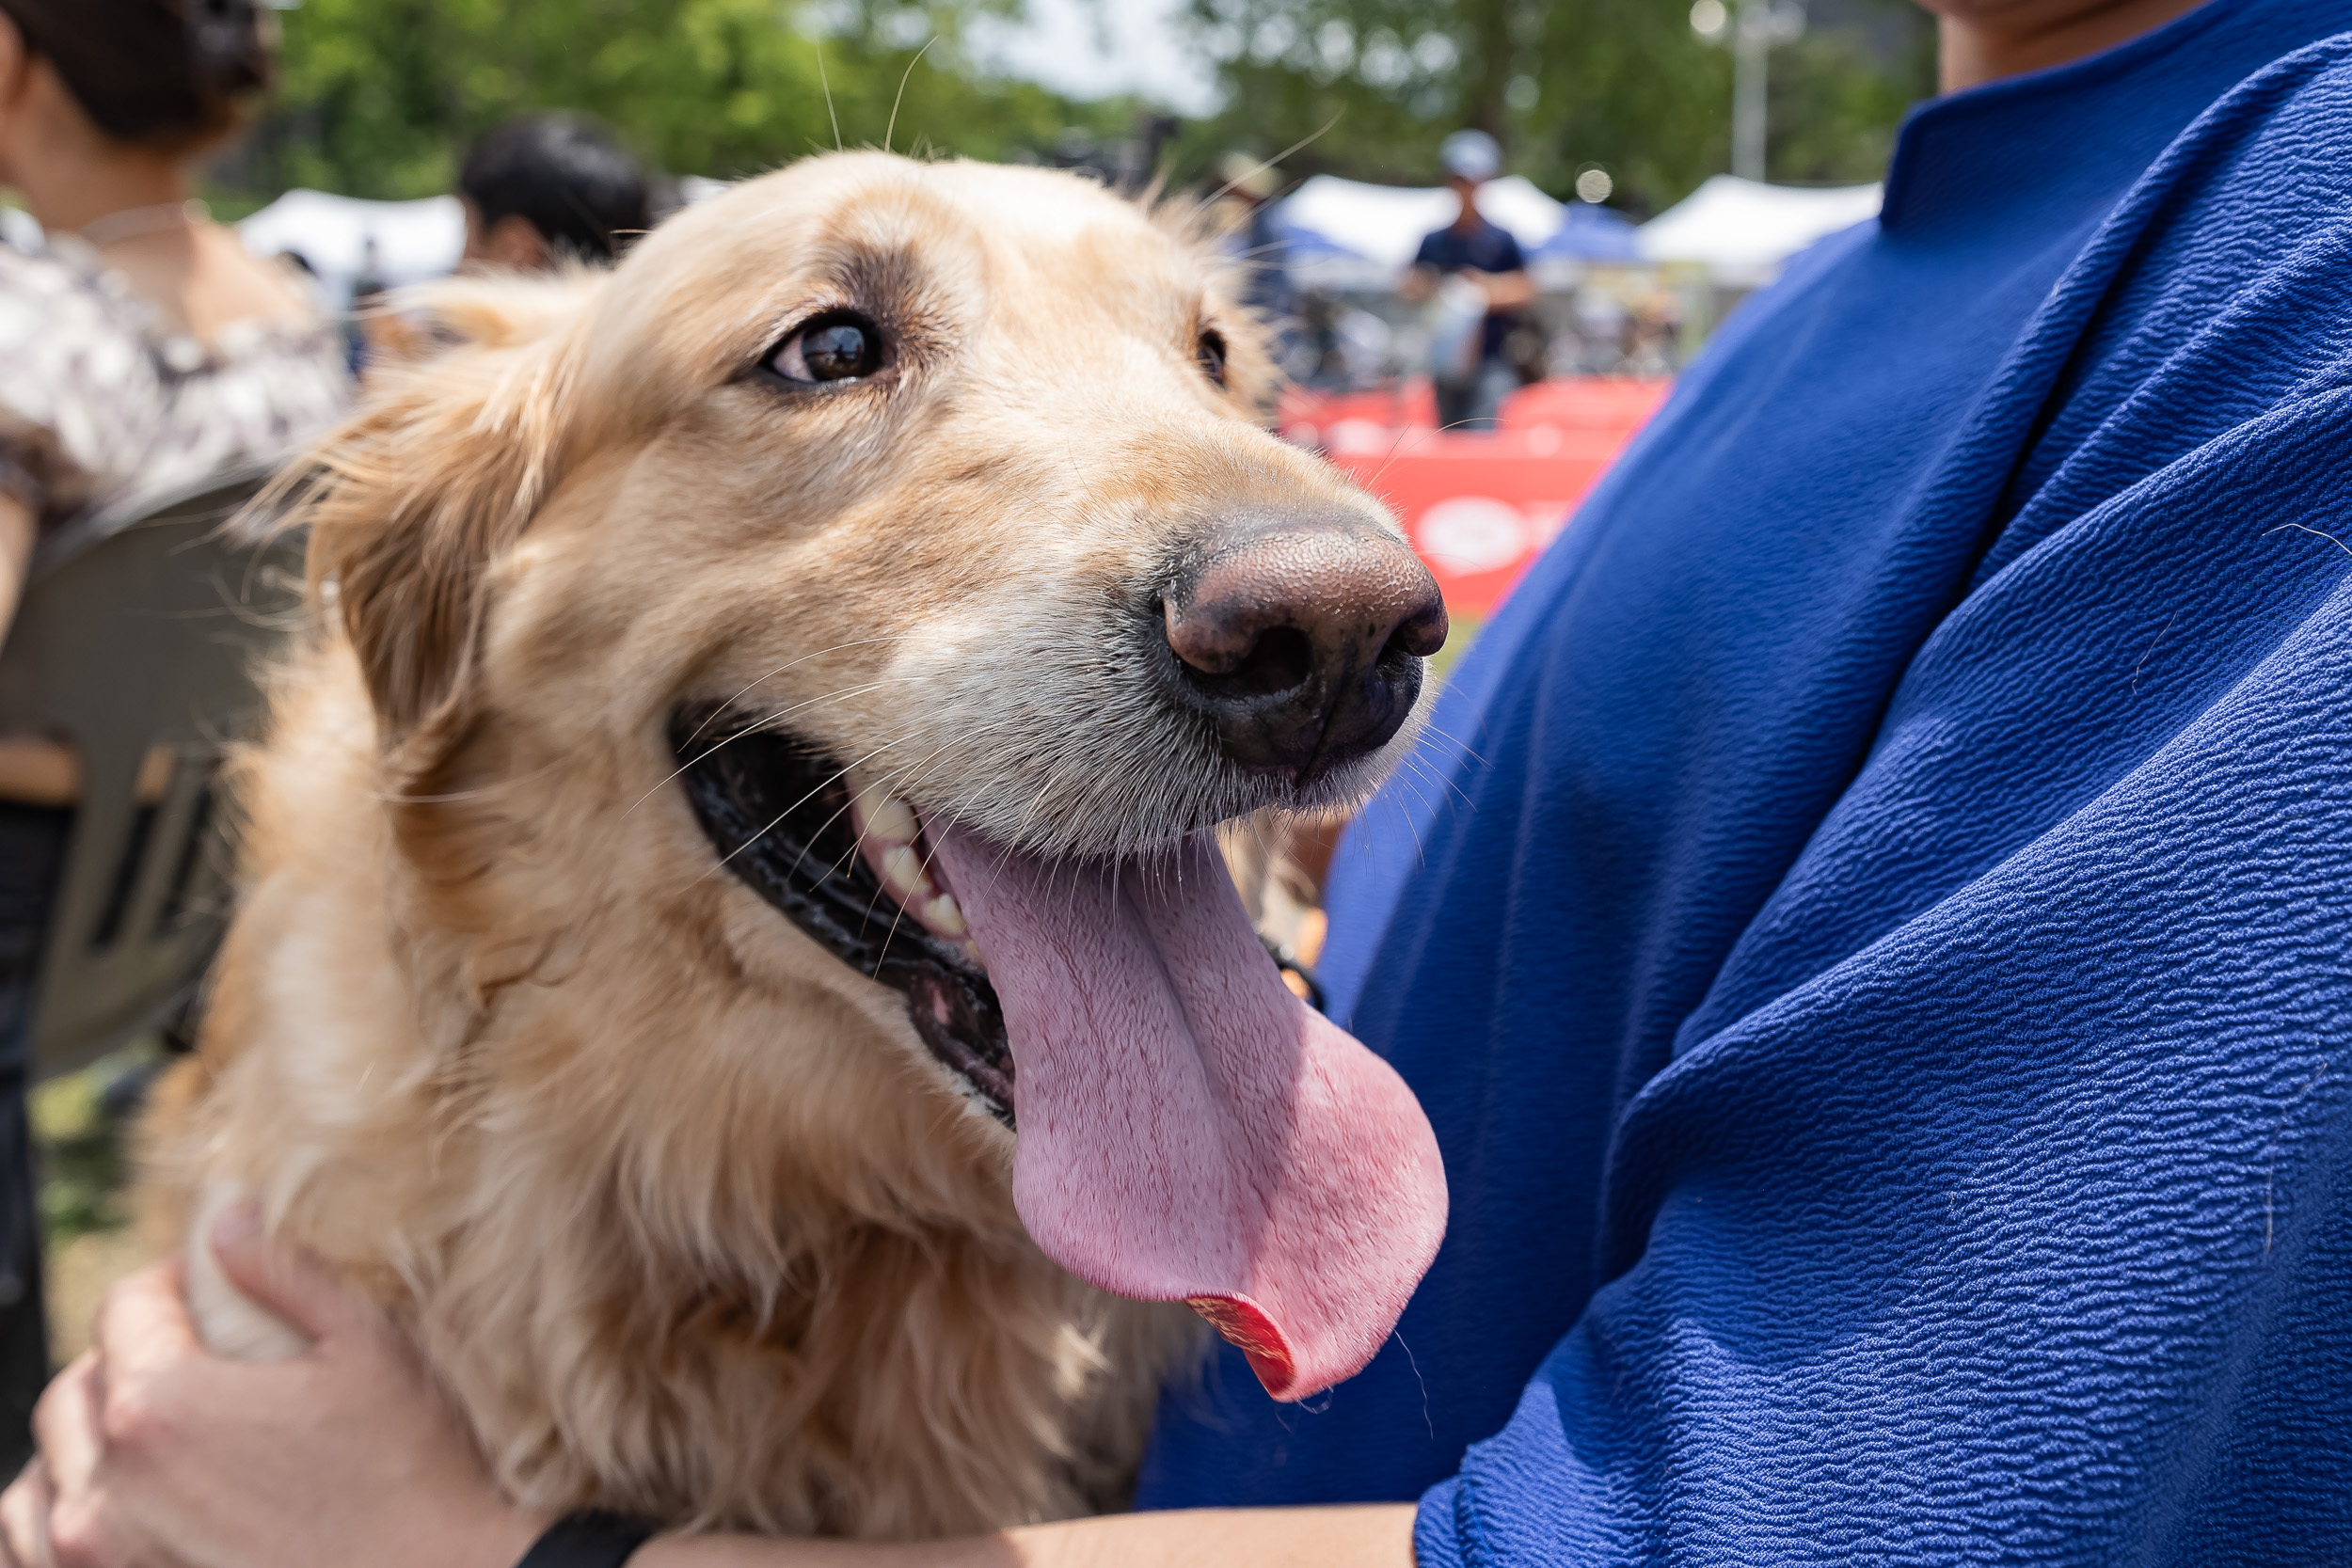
102, 401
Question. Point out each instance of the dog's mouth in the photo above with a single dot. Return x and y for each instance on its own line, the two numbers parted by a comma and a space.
850, 869
1188, 1128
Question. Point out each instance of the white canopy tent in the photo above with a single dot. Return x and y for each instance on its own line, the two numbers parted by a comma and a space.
1742, 230
413, 239
1348, 234
1385, 223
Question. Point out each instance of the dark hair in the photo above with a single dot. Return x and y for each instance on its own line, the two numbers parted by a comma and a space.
567, 177
168, 72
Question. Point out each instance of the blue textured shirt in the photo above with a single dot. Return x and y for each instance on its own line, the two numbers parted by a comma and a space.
1874, 934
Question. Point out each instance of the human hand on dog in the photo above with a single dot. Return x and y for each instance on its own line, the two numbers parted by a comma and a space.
156, 1452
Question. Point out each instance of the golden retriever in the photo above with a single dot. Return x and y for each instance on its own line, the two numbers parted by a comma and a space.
732, 954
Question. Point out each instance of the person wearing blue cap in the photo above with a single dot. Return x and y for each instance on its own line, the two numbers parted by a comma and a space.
1480, 262
1880, 981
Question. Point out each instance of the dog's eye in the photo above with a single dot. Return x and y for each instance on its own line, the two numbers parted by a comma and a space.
1211, 350
831, 348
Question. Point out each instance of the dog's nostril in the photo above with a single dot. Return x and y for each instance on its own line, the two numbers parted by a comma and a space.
1279, 658
1419, 635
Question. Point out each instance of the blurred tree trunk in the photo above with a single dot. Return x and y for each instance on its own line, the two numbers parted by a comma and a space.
1486, 83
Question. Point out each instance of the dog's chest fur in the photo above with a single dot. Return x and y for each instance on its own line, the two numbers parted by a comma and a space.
687, 1230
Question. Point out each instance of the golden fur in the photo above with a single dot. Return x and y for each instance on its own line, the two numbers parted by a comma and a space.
676, 1202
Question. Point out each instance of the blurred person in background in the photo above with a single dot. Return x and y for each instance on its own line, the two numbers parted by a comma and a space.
1877, 983
1486, 261
539, 191
1255, 243
141, 350
1342, 346
549, 188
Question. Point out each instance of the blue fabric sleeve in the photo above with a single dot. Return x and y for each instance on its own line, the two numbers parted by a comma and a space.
1994, 1203
1436, 1533
2025, 1225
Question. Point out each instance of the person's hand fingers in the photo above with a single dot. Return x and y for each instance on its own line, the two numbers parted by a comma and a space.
47, 1526
24, 1520
66, 1423
78, 1535
59, 1520
143, 1323
289, 1281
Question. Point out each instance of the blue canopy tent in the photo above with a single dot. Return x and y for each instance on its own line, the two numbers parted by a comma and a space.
1588, 233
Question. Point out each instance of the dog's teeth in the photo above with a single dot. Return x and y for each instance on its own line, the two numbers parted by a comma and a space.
902, 869
891, 821
941, 916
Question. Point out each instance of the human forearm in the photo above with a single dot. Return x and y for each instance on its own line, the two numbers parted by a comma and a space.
1379, 1536
1507, 291
19, 531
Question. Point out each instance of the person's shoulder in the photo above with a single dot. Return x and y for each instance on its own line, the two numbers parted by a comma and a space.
2261, 177
41, 292
1433, 249
73, 356
1504, 245
28, 265
2303, 97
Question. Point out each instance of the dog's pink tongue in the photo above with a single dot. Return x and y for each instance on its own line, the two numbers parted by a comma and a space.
1190, 1131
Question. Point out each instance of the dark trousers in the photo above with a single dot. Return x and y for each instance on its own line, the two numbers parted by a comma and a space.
32, 852
1472, 405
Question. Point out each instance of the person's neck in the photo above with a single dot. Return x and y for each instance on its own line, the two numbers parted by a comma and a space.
68, 185
1972, 50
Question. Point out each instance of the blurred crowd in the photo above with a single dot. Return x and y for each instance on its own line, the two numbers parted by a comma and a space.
1467, 314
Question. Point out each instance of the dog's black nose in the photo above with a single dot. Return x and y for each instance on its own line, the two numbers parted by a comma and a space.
1302, 639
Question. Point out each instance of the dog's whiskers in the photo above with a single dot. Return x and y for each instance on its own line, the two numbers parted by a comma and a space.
1456, 741
768, 721
835, 777
891, 130
720, 711
894, 784
827, 87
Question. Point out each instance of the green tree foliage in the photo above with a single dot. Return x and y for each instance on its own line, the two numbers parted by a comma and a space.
1624, 85
380, 98
1837, 94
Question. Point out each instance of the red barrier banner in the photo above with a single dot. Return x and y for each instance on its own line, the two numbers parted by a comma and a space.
1480, 508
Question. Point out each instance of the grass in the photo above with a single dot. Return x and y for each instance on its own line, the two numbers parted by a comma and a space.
79, 1126
80, 1123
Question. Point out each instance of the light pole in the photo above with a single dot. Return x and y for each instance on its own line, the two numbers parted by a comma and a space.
1752, 28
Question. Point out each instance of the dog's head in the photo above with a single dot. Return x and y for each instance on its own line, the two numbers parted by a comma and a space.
897, 543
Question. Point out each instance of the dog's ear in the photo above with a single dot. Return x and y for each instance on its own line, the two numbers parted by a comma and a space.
444, 464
